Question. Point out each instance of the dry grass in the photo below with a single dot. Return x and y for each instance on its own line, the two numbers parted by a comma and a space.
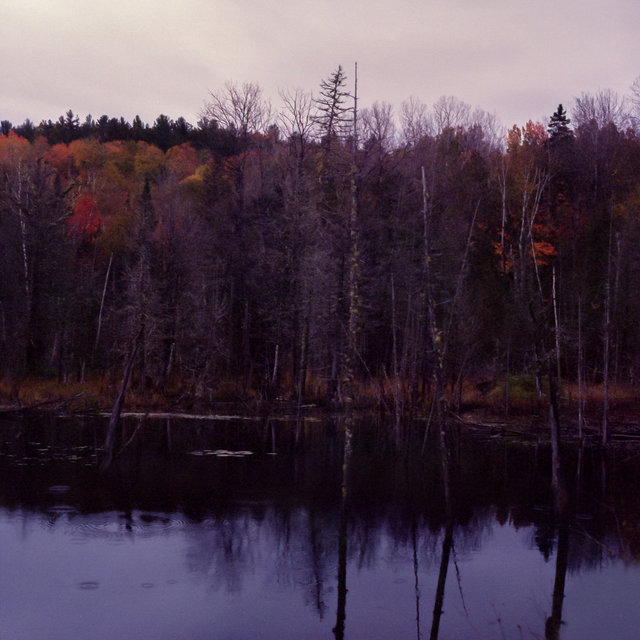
31, 391
100, 392
593, 394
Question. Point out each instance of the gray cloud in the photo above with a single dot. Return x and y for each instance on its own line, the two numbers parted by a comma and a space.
516, 58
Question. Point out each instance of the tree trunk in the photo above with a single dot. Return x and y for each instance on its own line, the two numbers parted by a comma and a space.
580, 373
110, 441
554, 621
607, 340
435, 334
396, 373
447, 544
104, 292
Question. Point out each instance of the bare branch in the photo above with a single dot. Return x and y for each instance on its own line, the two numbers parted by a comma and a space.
604, 108
414, 121
239, 108
378, 125
296, 116
450, 113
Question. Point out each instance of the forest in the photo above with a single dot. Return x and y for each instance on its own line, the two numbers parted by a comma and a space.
324, 253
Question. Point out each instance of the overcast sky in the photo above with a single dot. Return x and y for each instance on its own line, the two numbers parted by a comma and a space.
515, 58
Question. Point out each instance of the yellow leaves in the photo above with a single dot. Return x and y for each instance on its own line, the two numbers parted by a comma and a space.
120, 159
194, 184
629, 208
149, 160
13, 148
88, 154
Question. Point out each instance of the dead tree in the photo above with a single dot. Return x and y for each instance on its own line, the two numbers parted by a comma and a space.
110, 440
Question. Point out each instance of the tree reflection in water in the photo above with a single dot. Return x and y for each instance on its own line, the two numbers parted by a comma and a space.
341, 608
444, 450
293, 527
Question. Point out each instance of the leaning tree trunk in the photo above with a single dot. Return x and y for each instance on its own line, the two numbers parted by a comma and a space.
110, 440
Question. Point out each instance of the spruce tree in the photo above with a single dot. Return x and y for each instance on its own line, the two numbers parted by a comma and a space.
558, 127
333, 115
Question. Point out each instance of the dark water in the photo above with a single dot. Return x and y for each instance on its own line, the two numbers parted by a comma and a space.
177, 542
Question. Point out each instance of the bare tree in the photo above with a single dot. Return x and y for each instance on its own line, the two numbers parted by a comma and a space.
377, 125
635, 102
493, 133
605, 107
450, 113
297, 123
240, 108
414, 120
295, 119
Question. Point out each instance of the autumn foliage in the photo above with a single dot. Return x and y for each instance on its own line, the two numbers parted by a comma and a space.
227, 250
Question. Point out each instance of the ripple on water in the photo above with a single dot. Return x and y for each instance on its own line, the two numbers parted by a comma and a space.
59, 489
61, 509
116, 529
88, 585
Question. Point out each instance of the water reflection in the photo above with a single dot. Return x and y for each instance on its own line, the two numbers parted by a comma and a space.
301, 544
341, 608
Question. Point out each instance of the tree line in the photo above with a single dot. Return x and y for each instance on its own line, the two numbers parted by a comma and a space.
271, 252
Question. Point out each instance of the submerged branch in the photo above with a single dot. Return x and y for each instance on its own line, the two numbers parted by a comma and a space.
55, 403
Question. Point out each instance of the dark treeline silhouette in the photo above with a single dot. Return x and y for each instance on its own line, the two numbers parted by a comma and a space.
163, 133
276, 254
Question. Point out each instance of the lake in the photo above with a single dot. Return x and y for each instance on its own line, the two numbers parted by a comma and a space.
229, 529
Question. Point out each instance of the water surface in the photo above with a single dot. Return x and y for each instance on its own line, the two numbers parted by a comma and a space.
176, 541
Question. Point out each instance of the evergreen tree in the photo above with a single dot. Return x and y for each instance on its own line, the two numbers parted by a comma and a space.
69, 126
333, 116
161, 131
558, 127
138, 129
26, 130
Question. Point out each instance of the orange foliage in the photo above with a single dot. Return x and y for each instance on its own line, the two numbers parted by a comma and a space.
60, 157
544, 251
531, 135
88, 154
12, 148
182, 160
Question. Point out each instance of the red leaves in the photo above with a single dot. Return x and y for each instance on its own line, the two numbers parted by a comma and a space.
86, 219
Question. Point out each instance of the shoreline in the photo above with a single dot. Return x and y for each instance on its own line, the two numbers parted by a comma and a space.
478, 413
